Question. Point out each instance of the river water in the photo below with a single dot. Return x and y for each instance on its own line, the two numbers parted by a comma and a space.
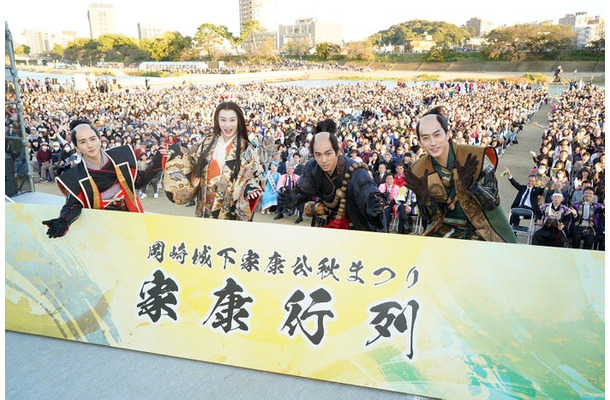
130, 81
134, 81
127, 80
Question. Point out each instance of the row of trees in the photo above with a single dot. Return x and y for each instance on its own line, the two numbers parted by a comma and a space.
527, 41
171, 46
513, 43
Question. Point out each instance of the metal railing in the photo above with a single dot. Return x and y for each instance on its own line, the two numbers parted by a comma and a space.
15, 141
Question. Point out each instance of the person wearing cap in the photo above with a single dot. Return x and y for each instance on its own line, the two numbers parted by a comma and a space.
346, 196
34, 146
553, 226
43, 157
456, 186
55, 157
103, 180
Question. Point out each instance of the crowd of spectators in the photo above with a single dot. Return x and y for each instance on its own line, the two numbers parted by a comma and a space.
261, 66
376, 123
572, 159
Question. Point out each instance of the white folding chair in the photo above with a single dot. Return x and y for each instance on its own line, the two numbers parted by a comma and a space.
416, 224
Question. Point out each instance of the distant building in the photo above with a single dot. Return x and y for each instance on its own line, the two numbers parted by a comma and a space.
102, 20
41, 41
480, 26
578, 20
148, 31
263, 11
588, 28
419, 45
475, 43
65, 37
311, 32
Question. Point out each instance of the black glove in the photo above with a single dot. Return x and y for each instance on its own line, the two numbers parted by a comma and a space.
173, 151
58, 227
418, 185
466, 172
286, 198
375, 204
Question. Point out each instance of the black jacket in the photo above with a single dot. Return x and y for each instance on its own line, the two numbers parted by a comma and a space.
534, 193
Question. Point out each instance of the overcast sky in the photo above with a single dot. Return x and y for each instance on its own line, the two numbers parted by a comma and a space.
359, 19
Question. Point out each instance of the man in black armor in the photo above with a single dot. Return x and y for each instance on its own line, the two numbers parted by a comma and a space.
345, 195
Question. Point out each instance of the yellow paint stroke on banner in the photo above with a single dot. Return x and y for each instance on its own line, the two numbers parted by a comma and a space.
427, 316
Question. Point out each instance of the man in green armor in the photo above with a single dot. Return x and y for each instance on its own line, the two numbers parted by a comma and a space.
456, 186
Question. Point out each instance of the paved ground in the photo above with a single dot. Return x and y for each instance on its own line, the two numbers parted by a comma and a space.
45, 368
518, 159
54, 369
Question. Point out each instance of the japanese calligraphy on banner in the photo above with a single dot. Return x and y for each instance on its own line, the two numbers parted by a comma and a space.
425, 316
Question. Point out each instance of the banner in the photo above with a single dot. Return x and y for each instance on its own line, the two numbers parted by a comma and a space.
426, 316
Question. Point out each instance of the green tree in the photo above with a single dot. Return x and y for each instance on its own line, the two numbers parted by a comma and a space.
235, 41
121, 48
248, 33
597, 46
111, 42
168, 47
267, 50
210, 38
359, 51
192, 54
298, 47
57, 53
438, 54
83, 51
527, 41
443, 33
551, 38
135, 55
327, 51
153, 47
22, 50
